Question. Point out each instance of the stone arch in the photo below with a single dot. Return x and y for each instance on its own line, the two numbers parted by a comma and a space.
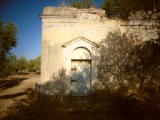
81, 53
80, 56
80, 71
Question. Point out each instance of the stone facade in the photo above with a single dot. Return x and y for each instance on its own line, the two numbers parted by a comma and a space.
70, 36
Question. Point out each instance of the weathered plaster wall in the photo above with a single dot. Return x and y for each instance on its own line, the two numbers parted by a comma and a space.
61, 25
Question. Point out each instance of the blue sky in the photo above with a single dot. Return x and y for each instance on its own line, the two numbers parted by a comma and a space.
25, 15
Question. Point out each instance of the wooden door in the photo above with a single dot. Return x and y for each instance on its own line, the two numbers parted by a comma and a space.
80, 77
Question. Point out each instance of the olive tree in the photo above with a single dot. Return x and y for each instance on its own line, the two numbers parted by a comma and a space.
22, 63
34, 64
8, 40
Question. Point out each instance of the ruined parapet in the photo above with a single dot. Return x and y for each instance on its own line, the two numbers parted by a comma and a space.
91, 13
72, 22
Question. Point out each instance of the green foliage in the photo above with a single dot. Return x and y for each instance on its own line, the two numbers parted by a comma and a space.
22, 63
38, 63
144, 64
34, 64
8, 37
111, 66
111, 8
8, 40
31, 65
123, 8
129, 65
82, 4
10, 66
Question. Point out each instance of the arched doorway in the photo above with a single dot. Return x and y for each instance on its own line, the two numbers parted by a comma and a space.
80, 71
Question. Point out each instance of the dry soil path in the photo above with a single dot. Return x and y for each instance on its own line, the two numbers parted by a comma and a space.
9, 95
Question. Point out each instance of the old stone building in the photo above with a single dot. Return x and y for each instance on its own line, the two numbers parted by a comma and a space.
70, 41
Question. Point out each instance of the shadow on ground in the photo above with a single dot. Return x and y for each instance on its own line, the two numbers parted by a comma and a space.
10, 96
5, 84
97, 106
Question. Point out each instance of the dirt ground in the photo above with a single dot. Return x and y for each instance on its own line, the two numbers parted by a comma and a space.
14, 88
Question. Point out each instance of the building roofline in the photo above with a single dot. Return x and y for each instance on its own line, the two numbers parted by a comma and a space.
80, 38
